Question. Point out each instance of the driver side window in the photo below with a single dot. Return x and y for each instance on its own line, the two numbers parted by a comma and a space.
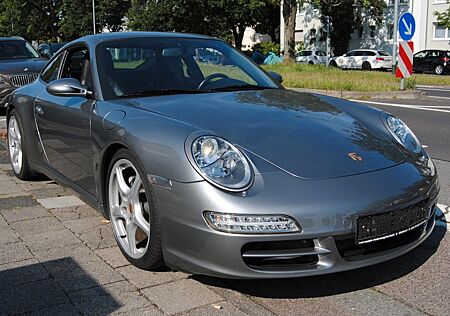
77, 66
50, 73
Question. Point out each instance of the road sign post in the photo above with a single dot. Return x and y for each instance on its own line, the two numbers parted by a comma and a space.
406, 28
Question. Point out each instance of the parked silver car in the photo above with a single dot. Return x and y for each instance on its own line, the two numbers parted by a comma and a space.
312, 57
216, 168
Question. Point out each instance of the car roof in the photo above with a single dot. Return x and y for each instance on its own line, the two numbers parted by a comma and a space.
103, 37
12, 38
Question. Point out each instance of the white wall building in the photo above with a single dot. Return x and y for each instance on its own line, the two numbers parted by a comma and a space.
428, 34
251, 38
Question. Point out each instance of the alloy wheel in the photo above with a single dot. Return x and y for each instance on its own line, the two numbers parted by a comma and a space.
15, 144
439, 70
129, 209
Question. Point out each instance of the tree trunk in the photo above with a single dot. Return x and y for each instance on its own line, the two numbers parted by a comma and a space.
238, 35
289, 15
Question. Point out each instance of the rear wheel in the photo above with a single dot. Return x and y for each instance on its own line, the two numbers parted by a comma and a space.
333, 64
366, 66
134, 219
17, 149
439, 70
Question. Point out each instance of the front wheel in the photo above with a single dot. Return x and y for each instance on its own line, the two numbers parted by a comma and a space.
439, 70
134, 219
17, 149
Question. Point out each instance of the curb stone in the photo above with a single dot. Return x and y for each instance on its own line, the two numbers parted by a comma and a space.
364, 95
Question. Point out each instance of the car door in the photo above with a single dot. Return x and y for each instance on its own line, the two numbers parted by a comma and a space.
64, 124
347, 60
418, 60
360, 57
432, 60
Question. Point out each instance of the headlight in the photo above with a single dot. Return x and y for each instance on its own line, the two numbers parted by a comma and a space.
221, 163
403, 134
251, 224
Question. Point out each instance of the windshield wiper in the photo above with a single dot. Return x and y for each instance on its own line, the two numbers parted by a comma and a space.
245, 87
162, 92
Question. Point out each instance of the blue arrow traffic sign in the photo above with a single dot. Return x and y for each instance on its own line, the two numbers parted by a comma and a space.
406, 26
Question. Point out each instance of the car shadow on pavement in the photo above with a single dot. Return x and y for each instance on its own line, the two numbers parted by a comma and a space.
52, 287
336, 283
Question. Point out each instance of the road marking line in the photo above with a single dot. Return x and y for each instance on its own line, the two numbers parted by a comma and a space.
431, 89
445, 221
437, 97
408, 106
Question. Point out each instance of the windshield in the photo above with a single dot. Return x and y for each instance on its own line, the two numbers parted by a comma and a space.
17, 50
155, 66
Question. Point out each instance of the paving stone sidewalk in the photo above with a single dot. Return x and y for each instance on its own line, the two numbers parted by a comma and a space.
58, 256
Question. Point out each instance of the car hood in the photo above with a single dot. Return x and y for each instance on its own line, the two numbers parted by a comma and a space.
12, 66
300, 133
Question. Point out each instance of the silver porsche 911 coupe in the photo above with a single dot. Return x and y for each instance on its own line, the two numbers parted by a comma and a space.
203, 162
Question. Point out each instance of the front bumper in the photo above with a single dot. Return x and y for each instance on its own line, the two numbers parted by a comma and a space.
326, 210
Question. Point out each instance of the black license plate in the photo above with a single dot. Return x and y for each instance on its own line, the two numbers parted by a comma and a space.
381, 226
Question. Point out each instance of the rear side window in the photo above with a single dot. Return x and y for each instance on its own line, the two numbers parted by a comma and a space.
50, 73
305, 53
383, 53
368, 53
434, 53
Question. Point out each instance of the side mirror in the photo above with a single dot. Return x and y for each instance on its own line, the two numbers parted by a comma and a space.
67, 87
276, 76
344, 55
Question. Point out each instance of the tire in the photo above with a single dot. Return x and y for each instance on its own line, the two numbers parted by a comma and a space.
17, 150
366, 66
439, 70
131, 207
311, 63
333, 64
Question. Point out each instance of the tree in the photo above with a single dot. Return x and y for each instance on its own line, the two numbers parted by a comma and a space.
41, 18
53, 20
76, 16
443, 18
222, 18
347, 17
289, 16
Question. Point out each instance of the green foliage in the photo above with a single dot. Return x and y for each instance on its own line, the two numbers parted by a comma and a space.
268, 47
52, 20
443, 18
326, 78
221, 18
347, 17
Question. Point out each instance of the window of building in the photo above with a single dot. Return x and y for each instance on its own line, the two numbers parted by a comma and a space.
392, 2
441, 32
390, 31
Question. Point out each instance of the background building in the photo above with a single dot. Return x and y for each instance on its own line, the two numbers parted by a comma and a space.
428, 35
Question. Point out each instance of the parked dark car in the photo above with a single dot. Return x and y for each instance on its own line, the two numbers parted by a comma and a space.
432, 61
20, 64
216, 168
47, 50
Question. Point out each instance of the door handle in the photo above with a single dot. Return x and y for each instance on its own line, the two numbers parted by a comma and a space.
39, 111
